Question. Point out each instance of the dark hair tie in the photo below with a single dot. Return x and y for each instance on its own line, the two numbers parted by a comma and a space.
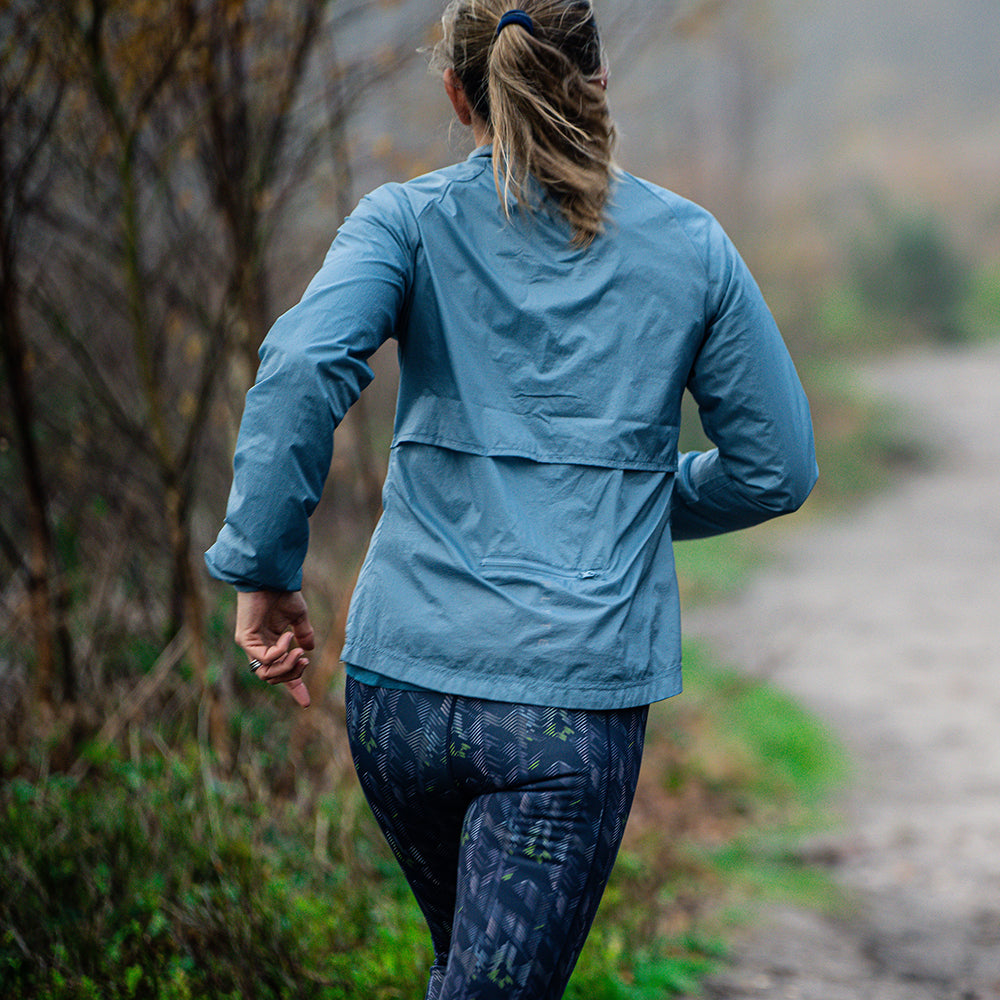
516, 17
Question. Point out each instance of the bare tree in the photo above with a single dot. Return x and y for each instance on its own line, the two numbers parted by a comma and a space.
30, 104
184, 128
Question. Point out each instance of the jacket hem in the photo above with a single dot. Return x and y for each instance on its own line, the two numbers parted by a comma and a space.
498, 686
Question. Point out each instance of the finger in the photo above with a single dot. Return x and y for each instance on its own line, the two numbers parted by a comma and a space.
285, 668
298, 690
252, 612
258, 649
297, 617
271, 655
303, 631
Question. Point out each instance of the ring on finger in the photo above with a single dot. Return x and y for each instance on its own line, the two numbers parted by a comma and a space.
255, 665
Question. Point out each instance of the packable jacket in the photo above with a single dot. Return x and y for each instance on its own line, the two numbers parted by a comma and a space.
534, 485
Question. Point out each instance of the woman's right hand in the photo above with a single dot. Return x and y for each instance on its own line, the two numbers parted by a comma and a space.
273, 627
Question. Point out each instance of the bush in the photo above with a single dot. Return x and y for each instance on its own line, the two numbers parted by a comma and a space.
149, 882
908, 267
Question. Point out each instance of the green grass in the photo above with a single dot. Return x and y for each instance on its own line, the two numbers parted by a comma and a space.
710, 568
981, 312
152, 879
777, 750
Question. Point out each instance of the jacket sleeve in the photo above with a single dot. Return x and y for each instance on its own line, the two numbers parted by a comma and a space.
314, 365
752, 408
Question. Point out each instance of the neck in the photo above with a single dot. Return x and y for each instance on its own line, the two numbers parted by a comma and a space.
481, 132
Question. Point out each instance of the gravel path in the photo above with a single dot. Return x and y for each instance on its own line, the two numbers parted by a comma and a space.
886, 623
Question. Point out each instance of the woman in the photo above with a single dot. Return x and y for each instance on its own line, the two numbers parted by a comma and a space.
517, 611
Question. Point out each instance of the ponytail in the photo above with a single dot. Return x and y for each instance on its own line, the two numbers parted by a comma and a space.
536, 83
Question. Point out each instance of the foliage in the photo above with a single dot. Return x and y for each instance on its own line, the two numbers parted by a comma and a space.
149, 880
151, 877
908, 267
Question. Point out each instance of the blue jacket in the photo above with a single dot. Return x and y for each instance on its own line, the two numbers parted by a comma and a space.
534, 485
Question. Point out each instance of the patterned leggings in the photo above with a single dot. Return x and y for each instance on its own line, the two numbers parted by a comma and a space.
506, 820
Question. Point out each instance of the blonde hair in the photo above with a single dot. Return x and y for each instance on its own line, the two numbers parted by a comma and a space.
541, 95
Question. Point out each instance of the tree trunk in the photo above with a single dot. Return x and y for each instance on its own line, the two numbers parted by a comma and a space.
39, 563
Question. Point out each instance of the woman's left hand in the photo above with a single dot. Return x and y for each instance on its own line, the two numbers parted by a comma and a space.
273, 628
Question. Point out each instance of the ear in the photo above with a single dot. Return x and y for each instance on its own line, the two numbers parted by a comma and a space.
456, 94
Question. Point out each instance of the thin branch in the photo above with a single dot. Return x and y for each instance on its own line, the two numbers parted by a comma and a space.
146, 689
91, 370
308, 34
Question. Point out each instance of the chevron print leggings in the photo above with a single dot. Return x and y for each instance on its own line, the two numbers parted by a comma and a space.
506, 820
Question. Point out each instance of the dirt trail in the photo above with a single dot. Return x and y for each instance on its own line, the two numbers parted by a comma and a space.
887, 625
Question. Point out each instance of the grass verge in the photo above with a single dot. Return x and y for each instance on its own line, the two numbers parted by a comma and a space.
735, 773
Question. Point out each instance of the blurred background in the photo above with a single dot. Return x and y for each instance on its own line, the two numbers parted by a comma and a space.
171, 174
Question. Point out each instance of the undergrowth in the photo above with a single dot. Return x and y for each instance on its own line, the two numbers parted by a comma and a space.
151, 877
